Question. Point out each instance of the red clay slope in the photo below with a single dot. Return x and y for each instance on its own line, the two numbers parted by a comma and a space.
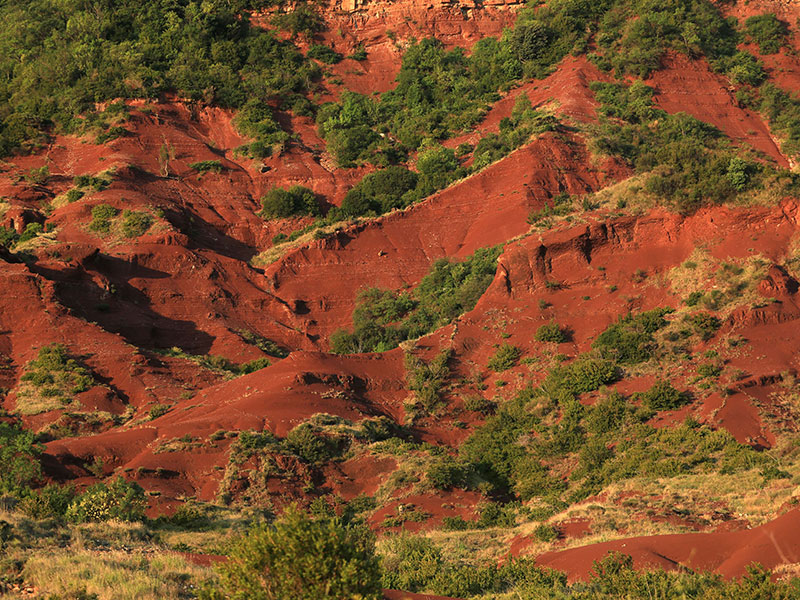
726, 553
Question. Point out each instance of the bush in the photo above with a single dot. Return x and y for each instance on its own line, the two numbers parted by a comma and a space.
48, 502
279, 203
32, 230
662, 396
505, 358
444, 475
101, 218
479, 404
299, 558
314, 447
324, 54
767, 31
704, 325
585, 374
379, 192
122, 500
545, 533
550, 332
630, 340
204, 166
135, 223
427, 380
382, 319
19, 459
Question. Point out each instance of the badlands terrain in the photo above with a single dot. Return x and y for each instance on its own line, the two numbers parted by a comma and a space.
513, 287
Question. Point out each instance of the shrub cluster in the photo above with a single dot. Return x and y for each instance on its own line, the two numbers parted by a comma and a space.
75, 58
382, 318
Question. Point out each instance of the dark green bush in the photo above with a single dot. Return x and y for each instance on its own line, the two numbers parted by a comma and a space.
584, 374
50, 501
505, 358
19, 459
205, 166
704, 324
382, 319
279, 203
314, 447
550, 332
379, 192
427, 379
324, 54
662, 396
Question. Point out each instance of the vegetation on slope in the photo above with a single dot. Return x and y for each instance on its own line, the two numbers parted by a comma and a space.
383, 318
60, 59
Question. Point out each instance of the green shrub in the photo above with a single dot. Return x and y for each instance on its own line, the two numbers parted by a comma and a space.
73, 195
767, 31
585, 374
550, 332
324, 54
709, 370
279, 203
445, 474
704, 324
382, 319
135, 223
121, 500
19, 459
314, 447
545, 533
101, 218
662, 396
8, 238
32, 230
505, 358
630, 340
479, 404
158, 410
205, 166
38, 176
48, 502
379, 192
54, 376
360, 53
307, 559
302, 20
427, 380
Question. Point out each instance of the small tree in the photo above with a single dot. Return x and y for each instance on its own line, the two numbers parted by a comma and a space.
300, 558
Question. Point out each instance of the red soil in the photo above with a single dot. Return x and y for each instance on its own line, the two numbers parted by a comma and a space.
726, 553
690, 86
186, 283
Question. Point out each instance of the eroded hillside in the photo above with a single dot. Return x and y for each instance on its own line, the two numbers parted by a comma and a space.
519, 280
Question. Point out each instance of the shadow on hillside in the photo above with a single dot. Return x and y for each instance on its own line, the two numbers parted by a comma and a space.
119, 307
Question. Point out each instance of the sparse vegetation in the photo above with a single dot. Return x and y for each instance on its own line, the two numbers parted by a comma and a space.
382, 318
51, 380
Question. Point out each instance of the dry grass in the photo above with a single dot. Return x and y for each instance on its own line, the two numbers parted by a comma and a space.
735, 282
113, 575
